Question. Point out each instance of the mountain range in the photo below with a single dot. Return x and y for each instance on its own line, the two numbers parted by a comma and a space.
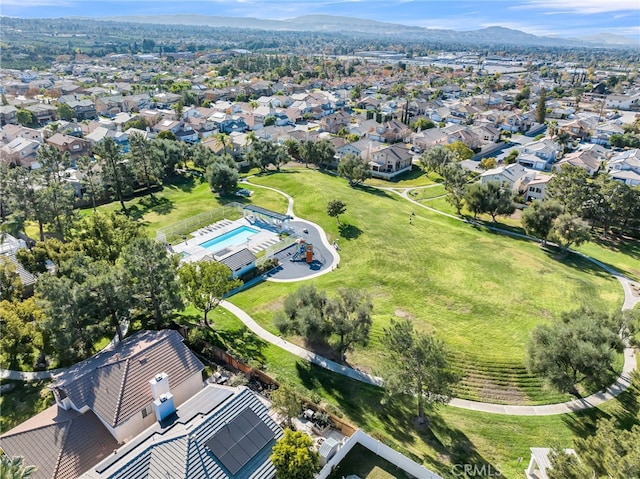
339, 24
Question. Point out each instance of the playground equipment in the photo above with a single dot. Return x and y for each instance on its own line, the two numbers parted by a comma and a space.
304, 251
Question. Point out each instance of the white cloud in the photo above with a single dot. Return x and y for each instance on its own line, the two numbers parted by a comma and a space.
579, 6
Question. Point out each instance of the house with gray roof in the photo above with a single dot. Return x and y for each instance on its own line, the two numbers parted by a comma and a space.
114, 383
220, 433
104, 401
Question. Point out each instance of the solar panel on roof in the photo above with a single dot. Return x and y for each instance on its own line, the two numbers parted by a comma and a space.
238, 441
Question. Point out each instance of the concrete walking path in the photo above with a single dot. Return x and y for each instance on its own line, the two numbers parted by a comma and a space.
621, 384
297, 350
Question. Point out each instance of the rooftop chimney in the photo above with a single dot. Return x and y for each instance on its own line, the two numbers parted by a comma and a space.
159, 385
164, 406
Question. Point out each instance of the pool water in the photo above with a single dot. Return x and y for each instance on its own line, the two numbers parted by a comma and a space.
230, 238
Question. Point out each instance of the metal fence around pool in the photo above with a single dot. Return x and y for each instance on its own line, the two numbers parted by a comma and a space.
169, 234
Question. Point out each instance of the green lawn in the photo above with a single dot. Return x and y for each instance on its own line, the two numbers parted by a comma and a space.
481, 292
186, 196
367, 465
25, 400
455, 436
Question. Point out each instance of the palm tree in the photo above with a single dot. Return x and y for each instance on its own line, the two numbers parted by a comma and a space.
13, 468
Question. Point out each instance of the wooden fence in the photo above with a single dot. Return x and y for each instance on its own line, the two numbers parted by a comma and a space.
345, 427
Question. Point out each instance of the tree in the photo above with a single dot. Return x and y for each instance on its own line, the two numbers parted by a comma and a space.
354, 169
108, 293
304, 314
287, 402
325, 153
417, 366
294, 456
13, 468
579, 348
488, 163
455, 180
115, 172
335, 208
103, 236
435, 158
222, 175
19, 329
460, 150
611, 452
24, 117
265, 153
538, 218
511, 157
57, 196
65, 112
166, 135
10, 283
499, 200
151, 273
570, 230
350, 317
422, 124
90, 178
146, 160
475, 198
70, 328
541, 107
570, 187
205, 284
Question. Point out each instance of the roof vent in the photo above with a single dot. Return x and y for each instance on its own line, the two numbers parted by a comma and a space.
158, 377
163, 397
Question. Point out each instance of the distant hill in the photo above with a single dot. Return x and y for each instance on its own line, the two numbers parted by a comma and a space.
331, 23
610, 39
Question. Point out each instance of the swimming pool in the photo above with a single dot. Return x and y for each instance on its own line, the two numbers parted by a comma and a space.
230, 238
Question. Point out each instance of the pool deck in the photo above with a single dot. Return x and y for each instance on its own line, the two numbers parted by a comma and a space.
192, 251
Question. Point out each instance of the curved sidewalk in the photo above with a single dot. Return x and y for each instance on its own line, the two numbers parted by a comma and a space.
620, 385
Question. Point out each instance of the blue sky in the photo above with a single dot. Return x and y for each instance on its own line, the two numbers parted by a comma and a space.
540, 17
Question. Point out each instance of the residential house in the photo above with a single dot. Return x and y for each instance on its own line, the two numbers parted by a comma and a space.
11, 132
43, 113
334, 123
167, 125
535, 187
76, 147
8, 248
625, 167
187, 134
109, 105
7, 114
538, 154
84, 109
509, 175
577, 129
588, 160
603, 132
220, 433
389, 161
358, 148
428, 138
19, 152
628, 101
202, 126
104, 401
165, 100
